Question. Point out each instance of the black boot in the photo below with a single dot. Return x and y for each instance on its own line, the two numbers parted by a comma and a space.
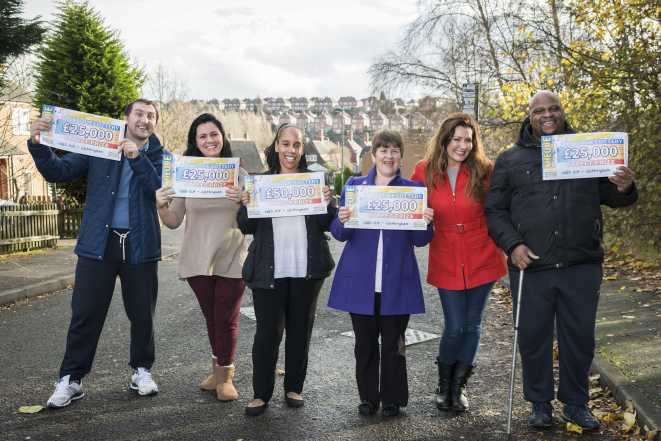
443, 398
460, 376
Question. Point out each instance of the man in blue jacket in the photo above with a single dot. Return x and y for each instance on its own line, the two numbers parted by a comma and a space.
553, 230
119, 236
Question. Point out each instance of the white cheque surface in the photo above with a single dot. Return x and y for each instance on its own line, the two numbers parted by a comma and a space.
583, 155
200, 177
287, 194
385, 207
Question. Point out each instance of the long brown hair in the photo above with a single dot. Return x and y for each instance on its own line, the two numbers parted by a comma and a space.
436, 157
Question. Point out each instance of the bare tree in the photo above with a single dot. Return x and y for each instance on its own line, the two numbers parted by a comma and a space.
453, 42
164, 86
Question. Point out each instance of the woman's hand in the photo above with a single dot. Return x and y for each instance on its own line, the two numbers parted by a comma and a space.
39, 125
233, 194
245, 197
343, 214
164, 196
428, 215
328, 194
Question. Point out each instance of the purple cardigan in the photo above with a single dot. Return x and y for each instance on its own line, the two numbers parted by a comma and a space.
353, 284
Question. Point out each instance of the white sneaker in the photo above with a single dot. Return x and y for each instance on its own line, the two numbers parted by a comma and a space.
65, 392
142, 382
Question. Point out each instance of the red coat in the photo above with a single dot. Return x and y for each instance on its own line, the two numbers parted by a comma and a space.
461, 253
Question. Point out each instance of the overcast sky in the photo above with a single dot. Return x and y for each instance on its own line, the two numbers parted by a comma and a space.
241, 48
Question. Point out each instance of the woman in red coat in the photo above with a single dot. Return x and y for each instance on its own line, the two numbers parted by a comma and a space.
464, 262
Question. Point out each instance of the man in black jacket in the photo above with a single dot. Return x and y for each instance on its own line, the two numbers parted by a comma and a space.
553, 230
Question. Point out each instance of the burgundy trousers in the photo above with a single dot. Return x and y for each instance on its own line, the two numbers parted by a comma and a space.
220, 301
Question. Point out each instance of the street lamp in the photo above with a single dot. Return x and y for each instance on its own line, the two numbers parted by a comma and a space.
341, 109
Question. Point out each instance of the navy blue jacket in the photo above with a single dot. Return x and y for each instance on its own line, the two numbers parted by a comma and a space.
353, 284
103, 176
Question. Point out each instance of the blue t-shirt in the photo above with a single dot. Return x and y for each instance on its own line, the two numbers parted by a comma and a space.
120, 216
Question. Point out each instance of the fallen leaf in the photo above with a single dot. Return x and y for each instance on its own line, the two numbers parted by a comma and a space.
280, 371
628, 317
611, 277
609, 418
629, 407
595, 391
629, 420
30, 409
574, 428
651, 435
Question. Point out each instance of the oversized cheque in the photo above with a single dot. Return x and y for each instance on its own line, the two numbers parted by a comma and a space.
83, 133
583, 155
200, 177
288, 194
385, 207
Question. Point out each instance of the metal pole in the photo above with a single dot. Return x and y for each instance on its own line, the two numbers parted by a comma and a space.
516, 337
342, 147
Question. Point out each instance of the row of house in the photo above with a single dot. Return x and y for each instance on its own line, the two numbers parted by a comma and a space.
327, 104
341, 122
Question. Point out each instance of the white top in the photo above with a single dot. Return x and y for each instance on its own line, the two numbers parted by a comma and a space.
379, 264
290, 247
453, 172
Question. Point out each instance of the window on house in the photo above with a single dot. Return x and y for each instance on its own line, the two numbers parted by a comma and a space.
20, 121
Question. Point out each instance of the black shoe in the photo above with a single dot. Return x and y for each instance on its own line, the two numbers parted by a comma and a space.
256, 410
443, 397
581, 416
366, 408
460, 376
390, 410
294, 402
541, 415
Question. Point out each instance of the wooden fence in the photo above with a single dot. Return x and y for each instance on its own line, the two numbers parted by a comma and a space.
37, 225
26, 227
69, 220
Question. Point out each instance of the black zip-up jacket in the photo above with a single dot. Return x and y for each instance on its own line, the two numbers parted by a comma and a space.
258, 267
560, 220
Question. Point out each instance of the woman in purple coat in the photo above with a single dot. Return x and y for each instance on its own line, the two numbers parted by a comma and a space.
378, 283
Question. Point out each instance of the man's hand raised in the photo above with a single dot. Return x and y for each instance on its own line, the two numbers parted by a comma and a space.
36, 127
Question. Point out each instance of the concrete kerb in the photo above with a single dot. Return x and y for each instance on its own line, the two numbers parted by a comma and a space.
646, 413
37, 289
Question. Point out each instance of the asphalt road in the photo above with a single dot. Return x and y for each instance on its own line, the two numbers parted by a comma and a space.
32, 337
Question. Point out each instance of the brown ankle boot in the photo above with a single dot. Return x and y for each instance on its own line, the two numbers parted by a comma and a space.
225, 390
209, 383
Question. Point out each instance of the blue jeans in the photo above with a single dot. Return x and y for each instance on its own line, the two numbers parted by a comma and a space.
462, 311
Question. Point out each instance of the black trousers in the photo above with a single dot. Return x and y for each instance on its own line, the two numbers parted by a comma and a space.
291, 306
92, 293
391, 358
568, 298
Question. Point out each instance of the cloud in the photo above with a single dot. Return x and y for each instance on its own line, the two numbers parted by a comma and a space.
245, 49
234, 12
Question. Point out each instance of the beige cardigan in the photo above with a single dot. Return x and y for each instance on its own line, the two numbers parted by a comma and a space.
213, 243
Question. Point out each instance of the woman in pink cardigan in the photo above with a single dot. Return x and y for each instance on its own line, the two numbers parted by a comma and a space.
212, 255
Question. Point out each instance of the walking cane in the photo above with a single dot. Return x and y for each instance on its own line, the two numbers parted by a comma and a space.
516, 337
